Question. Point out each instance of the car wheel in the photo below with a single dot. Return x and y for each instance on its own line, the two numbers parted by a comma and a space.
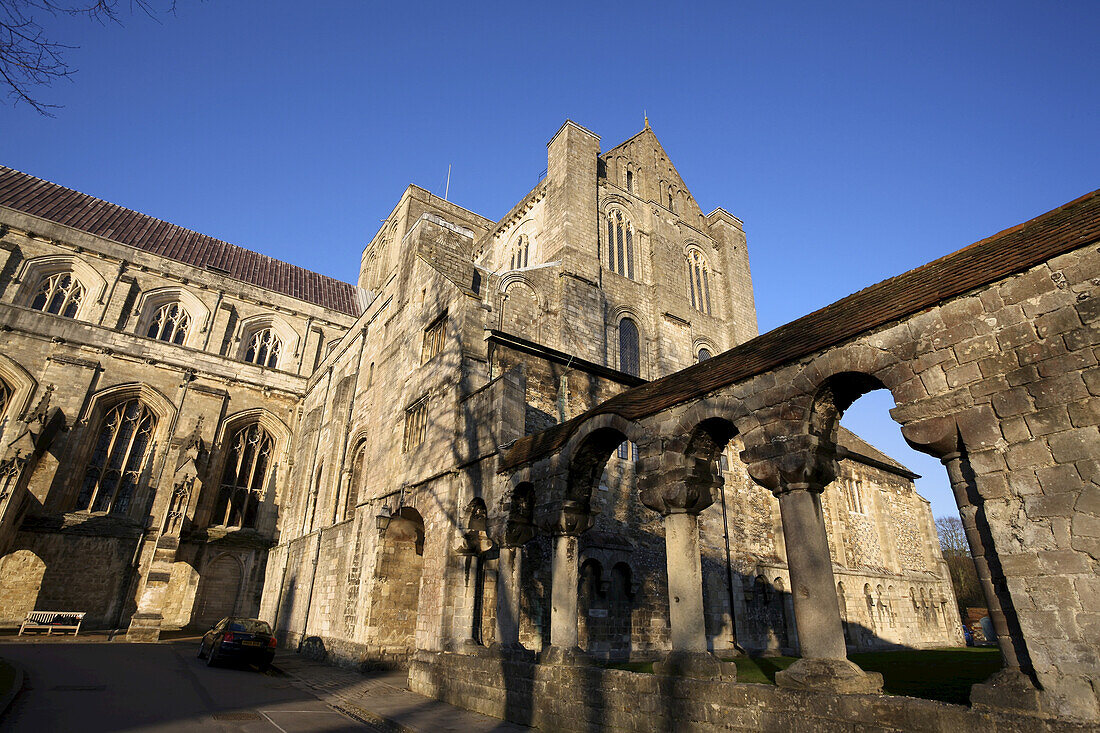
212, 656
202, 646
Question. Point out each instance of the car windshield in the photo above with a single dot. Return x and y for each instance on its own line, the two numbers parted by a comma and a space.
249, 626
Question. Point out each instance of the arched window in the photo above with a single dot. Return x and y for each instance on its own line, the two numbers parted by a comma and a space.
703, 355
118, 458
521, 252
699, 281
620, 244
264, 348
170, 324
629, 352
246, 466
358, 479
670, 202
60, 294
630, 181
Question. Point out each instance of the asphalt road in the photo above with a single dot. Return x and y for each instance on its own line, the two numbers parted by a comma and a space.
154, 687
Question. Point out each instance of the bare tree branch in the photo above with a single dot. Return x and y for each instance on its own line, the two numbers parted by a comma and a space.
30, 59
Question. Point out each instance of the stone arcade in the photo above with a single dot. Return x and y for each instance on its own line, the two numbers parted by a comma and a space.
482, 451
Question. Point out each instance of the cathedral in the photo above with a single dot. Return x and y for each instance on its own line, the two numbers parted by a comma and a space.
192, 430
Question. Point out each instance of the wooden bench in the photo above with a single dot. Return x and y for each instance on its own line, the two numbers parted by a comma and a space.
52, 621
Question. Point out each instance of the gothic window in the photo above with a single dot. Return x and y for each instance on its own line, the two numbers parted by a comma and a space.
247, 463
416, 418
629, 352
620, 244
521, 253
170, 324
699, 281
59, 294
118, 458
630, 181
434, 336
264, 348
670, 202
703, 355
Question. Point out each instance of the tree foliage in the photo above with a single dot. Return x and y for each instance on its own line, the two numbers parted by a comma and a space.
30, 58
960, 563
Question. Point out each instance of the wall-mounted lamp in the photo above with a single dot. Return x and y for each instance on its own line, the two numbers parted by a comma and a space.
383, 518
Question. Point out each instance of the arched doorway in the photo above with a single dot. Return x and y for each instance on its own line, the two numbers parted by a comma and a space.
219, 586
396, 597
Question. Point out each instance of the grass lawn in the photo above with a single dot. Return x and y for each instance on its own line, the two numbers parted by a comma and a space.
933, 674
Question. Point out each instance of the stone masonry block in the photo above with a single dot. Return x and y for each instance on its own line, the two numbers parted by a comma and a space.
1066, 363
1015, 429
1060, 321
1032, 454
1089, 500
1049, 505
1059, 479
1016, 335
1075, 445
1058, 390
1012, 402
1086, 525
978, 347
1085, 413
1051, 420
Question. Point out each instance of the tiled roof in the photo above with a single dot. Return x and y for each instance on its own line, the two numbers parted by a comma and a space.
994, 258
861, 449
70, 208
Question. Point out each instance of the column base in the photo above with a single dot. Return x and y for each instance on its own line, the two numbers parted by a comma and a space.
469, 647
829, 675
564, 656
512, 652
698, 665
144, 628
1008, 688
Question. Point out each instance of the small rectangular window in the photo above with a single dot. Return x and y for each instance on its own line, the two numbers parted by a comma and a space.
433, 338
416, 418
628, 451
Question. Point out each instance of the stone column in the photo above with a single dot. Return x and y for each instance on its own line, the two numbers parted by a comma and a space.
571, 520
824, 664
679, 495
1012, 685
797, 471
517, 532
471, 546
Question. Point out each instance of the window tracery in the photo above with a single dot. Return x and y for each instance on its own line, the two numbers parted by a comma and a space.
699, 281
118, 458
246, 468
170, 323
264, 348
60, 294
620, 244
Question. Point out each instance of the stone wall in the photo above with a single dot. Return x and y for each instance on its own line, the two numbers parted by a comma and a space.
592, 698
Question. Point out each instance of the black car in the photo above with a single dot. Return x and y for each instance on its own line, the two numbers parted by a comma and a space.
248, 640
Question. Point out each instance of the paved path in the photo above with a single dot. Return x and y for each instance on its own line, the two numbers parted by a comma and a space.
383, 699
94, 685
155, 687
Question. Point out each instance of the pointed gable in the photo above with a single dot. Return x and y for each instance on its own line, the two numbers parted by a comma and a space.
652, 176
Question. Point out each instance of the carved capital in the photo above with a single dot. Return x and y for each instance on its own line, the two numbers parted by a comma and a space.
787, 463
570, 517
473, 542
691, 493
517, 532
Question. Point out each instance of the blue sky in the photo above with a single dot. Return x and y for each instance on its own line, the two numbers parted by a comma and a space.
855, 140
